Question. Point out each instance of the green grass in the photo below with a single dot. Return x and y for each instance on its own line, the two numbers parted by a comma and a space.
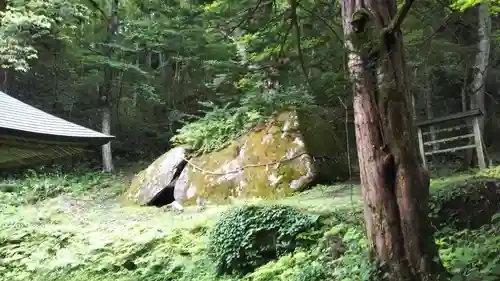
73, 227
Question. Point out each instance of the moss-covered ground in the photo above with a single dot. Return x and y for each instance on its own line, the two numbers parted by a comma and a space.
73, 227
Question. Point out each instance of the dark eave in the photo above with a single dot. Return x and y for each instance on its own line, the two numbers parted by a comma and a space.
58, 139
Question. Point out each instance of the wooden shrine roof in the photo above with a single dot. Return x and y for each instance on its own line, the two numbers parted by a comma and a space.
28, 134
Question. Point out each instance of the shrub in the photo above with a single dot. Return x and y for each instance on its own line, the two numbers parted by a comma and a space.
472, 254
221, 124
466, 204
247, 237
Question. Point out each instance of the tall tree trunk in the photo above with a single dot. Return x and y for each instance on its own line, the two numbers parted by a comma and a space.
428, 96
428, 89
106, 88
4, 77
107, 155
463, 92
481, 64
395, 186
464, 96
482, 58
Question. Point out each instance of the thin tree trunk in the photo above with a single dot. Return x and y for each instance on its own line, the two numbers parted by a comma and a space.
105, 90
428, 89
463, 93
395, 186
468, 154
481, 65
107, 156
4, 77
482, 58
429, 111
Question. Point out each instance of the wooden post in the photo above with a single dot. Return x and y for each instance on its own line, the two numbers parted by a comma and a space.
421, 147
478, 140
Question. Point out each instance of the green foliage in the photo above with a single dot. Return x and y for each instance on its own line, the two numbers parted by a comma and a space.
458, 201
16, 27
24, 23
354, 263
216, 128
247, 237
83, 236
465, 212
300, 266
152, 257
35, 186
225, 123
462, 5
473, 254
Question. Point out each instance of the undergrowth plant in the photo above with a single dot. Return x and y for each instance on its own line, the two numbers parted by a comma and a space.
468, 203
247, 237
354, 263
222, 123
35, 186
61, 240
473, 254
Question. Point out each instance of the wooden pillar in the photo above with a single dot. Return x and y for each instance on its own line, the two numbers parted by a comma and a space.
421, 146
478, 141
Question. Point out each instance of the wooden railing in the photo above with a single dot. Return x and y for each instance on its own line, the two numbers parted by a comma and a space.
434, 127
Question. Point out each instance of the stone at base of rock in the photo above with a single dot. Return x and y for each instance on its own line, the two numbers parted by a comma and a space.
200, 204
177, 206
155, 184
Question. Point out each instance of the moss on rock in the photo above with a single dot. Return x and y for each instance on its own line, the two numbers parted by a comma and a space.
271, 162
319, 135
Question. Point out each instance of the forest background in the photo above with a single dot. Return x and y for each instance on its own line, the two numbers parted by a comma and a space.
142, 70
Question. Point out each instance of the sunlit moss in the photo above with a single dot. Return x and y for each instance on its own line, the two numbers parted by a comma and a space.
286, 135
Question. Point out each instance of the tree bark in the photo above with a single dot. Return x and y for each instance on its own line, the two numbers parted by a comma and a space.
428, 89
480, 66
395, 186
4, 77
105, 90
482, 58
107, 155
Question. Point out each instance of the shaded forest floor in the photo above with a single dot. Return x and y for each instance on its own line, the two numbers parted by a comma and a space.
75, 227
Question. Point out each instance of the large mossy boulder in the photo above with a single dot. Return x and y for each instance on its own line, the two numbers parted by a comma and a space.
156, 182
287, 154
